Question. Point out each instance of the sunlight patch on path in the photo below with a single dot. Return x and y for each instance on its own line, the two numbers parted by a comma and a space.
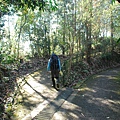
37, 94
67, 105
33, 113
33, 84
39, 108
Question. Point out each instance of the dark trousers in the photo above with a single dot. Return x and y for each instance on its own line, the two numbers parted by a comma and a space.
55, 74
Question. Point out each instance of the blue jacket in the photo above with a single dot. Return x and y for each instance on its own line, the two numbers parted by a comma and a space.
48, 66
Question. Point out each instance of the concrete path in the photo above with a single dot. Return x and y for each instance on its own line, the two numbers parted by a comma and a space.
38, 94
98, 99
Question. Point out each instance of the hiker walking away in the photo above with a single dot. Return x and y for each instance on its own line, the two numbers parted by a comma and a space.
55, 67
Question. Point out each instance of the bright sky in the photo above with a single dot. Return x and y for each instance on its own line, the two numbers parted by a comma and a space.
10, 24
10, 21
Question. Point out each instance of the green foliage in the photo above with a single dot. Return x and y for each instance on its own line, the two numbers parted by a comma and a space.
113, 1
6, 55
1, 57
8, 59
118, 41
71, 33
8, 6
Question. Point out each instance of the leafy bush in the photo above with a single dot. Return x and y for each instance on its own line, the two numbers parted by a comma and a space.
8, 59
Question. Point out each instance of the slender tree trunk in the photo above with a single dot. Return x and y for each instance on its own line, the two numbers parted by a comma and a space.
19, 35
87, 43
112, 25
64, 30
88, 28
73, 25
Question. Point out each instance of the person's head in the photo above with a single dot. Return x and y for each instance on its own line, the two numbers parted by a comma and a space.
53, 54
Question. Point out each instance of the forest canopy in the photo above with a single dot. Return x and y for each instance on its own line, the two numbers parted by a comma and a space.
64, 26
9, 6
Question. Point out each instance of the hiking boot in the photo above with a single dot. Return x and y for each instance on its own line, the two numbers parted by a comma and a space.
53, 86
57, 85
53, 81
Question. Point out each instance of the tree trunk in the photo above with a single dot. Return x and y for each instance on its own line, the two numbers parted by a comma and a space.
112, 25
64, 30
19, 35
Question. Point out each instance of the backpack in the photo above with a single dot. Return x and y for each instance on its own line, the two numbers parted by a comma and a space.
54, 63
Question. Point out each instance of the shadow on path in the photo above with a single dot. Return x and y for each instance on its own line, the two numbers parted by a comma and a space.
38, 94
99, 99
